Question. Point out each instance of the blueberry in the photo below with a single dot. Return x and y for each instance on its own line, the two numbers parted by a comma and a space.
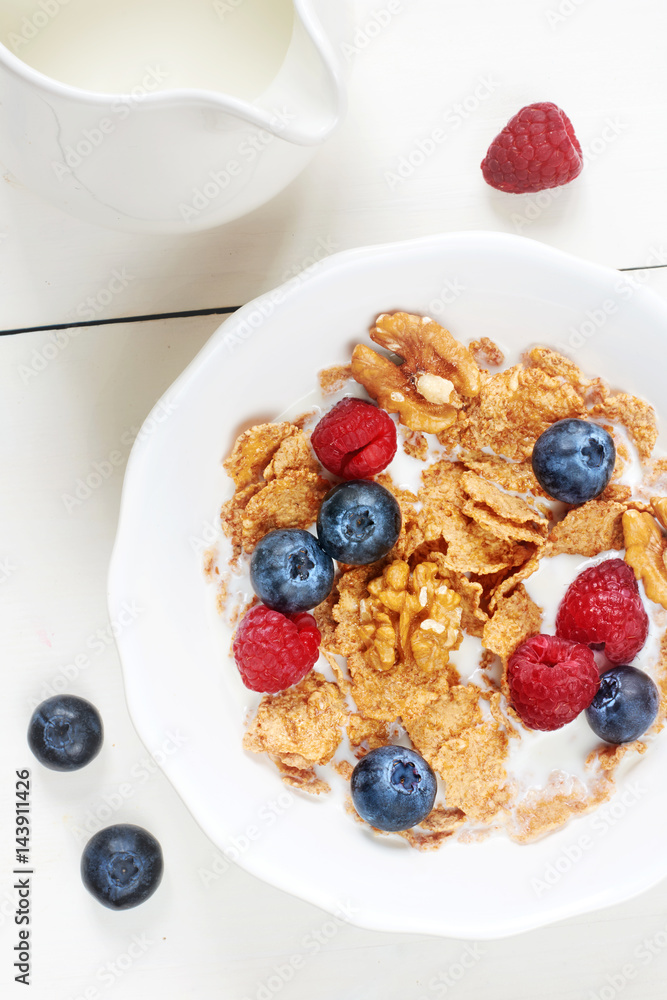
393, 788
625, 706
65, 732
122, 866
359, 522
573, 460
290, 572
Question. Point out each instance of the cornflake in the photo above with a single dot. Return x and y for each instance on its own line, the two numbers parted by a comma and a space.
300, 726
485, 351
473, 531
290, 501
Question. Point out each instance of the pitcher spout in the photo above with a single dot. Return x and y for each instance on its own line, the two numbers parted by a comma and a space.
307, 99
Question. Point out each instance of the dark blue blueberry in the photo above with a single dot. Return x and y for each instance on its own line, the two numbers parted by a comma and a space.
573, 460
625, 706
65, 732
122, 866
393, 788
359, 522
290, 572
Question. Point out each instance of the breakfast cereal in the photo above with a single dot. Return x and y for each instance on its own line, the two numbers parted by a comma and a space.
475, 530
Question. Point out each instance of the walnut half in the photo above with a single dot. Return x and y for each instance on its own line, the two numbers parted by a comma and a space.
426, 389
410, 617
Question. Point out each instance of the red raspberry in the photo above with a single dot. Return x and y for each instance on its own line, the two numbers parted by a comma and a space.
603, 607
274, 651
551, 681
355, 440
537, 149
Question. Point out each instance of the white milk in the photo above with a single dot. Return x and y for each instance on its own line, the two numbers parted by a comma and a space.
113, 46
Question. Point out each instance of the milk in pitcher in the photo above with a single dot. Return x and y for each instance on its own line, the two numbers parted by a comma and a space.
109, 46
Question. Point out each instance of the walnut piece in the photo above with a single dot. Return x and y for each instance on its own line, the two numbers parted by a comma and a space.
410, 617
659, 505
425, 389
645, 551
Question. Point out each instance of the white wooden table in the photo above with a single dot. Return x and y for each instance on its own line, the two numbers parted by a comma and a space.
70, 397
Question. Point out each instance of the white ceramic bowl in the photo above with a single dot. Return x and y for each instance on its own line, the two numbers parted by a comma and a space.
179, 677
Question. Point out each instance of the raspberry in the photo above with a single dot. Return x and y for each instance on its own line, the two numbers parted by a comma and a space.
355, 440
551, 681
603, 607
274, 651
537, 149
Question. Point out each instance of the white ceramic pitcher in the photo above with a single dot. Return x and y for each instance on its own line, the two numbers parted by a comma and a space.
152, 158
